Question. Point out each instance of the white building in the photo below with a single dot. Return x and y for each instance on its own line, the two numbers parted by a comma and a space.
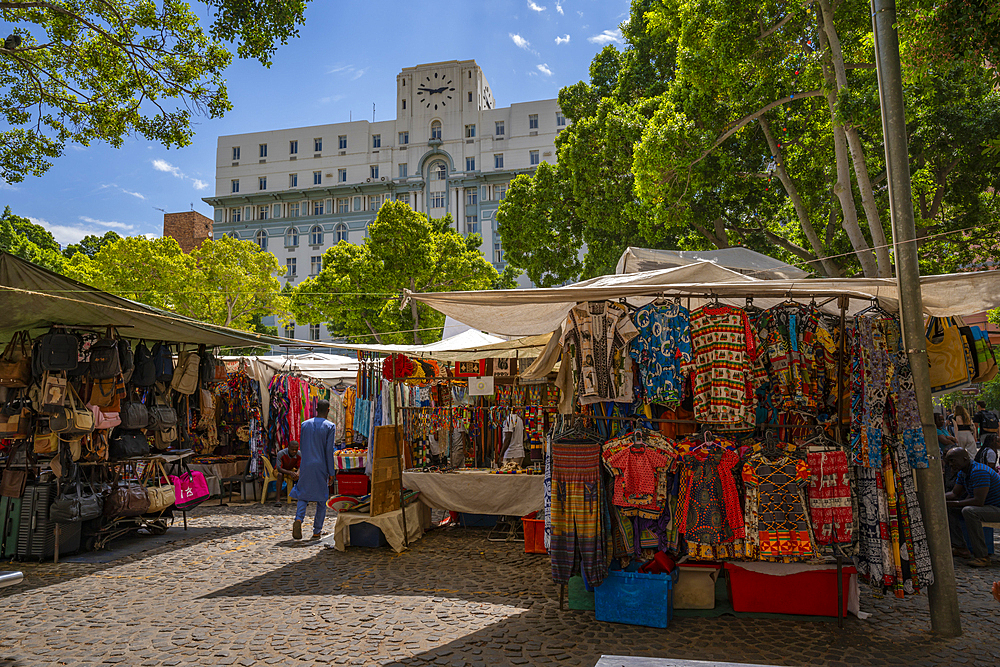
450, 150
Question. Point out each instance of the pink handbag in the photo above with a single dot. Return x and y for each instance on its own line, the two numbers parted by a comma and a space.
190, 489
104, 419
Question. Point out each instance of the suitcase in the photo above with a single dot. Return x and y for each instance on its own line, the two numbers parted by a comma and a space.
37, 535
10, 523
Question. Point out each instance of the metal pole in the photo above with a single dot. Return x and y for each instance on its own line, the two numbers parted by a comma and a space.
942, 595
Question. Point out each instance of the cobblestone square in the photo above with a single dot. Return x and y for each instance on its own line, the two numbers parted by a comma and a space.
242, 592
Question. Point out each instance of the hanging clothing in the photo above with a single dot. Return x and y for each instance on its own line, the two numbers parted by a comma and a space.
709, 508
596, 336
316, 445
636, 478
725, 359
576, 511
662, 350
776, 521
831, 508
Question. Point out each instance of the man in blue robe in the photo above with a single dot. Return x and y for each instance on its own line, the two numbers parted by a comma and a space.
316, 448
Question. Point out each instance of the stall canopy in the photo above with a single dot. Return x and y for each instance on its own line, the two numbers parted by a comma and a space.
469, 345
536, 311
741, 260
328, 368
34, 299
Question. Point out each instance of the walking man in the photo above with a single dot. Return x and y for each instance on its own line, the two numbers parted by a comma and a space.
317, 447
975, 499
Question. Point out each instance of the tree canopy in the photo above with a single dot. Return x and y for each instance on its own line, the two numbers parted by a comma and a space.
90, 244
98, 70
23, 238
357, 291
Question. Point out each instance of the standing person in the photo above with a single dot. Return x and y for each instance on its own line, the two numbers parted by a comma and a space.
986, 421
963, 430
287, 465
317, 446
513, 439
975, 499
989, 453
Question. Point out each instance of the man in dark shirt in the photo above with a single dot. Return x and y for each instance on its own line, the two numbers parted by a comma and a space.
975, 498
287, 466
986, 421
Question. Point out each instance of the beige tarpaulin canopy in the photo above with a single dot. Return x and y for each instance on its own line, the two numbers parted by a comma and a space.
469, 345
741, 260
537, 311
34, 299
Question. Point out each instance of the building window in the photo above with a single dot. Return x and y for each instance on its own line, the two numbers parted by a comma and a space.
316, 235
317, 178
440, 172
533, 157
262, 183
470, 164
501, 191
404, 104
292, 234
340, 233
374, 170
500, 128
318, 145
437, 200
471, 196
532, 121
318, 207
376, 141
436, 130
236, 153
263, 150
290, 267
289, 331
560, 119
472, 224
402, 170
342, 142
498, 160
293, 212
315, 265
313, 332
357, 203
236, 215
293, 147
343, 205
341, 175
497, 253
403, 197
260, 238
374, 202
470, 95
470, 131
235, 183
263, 212
404, 138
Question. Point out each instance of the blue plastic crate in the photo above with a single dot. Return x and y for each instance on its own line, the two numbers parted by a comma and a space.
635, 598
987, 534
366, 535
477, 520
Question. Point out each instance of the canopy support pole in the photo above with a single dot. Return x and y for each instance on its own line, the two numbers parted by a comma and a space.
942, 595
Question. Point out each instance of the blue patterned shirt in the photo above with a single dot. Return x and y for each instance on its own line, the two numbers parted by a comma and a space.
979, 476
663, 351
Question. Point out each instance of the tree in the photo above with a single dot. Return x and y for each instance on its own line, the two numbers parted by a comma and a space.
357, 291
90, 244
227, 282
23, 238
98, 70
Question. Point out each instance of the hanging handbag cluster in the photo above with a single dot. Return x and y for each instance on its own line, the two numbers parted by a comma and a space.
951, 363
983, 357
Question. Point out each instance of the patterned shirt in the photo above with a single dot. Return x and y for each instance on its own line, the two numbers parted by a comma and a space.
979, 476
663, 351
725, 356
596, 336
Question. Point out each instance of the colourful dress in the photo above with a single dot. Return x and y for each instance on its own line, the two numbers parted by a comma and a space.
777, 525
596, 335
662, 349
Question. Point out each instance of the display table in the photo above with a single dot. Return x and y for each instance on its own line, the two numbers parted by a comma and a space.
418, 519
777, 588
478, 491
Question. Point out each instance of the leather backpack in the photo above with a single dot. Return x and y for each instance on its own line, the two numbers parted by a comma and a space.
163, 359
126, 359
187, 376
58, 351
208, 364
144, 373
105, 361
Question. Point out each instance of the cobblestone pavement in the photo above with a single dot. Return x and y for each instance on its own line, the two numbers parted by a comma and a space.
245, 593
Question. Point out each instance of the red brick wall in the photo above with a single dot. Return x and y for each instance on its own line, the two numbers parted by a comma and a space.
189, 228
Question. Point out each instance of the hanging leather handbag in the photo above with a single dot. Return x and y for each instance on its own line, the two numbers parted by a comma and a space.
133, 414
951, 363
13, 480
127, 444
59, 351
66, 506
73, 419
95, 446
187, 375
105, 362
164, 439
46, 441
104, 419
74, 445
159, 490
15, 362
126, 359
144, 374
103, 393
52, 396
161, 416
126, 499
91, 501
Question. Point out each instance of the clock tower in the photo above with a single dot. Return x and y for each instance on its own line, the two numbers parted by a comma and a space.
440, 90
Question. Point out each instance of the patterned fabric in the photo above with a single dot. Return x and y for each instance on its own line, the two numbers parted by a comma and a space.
709, 506
725, 355
787, 352
636, 477
662, 350
596, 335
576, 511
830, 504
777, 512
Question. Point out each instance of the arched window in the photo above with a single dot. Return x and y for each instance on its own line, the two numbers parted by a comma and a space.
439, 171
260, 238
340, 233
316, 235
233, 235
291, 237
436, 130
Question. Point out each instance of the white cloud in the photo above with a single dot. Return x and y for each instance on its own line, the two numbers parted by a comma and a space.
107, 223
199, 184
520, 42
559, 8
606, 37
151, 237
563, 40
532, 6
544, 69
137, 195
67, 234
166, 167
348, 70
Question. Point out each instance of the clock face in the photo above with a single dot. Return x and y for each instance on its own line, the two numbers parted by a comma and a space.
435, 91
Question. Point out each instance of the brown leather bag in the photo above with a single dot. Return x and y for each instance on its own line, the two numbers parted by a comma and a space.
126, 499
15, 362
13, 481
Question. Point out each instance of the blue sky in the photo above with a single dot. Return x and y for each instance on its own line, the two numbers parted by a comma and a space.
346, 59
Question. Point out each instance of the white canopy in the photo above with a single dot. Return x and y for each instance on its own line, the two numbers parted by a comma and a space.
742, 260
470, 345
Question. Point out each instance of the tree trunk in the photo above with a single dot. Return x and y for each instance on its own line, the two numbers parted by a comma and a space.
709, 235
415, 314
857, 149
828, 267
720, 233
378, 338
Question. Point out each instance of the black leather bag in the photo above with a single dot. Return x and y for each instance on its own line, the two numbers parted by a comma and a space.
126, 359
127, 445
161, 417
105, 363
133, 415
58, 351
144, 374
76, 503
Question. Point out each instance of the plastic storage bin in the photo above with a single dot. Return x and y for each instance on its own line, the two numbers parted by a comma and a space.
366, 535
534, 536
477, 520
635, 598
352, 485
773, 594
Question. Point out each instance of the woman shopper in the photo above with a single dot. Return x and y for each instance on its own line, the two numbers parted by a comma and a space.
964, 430
988, 454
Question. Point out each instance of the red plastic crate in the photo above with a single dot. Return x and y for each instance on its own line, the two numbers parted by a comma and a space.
812, 593
534, 536
352, 485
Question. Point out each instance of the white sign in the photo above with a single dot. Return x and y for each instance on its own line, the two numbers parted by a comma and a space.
481, 386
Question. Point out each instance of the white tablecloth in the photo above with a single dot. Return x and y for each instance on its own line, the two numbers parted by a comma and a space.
479, 492
418, 519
